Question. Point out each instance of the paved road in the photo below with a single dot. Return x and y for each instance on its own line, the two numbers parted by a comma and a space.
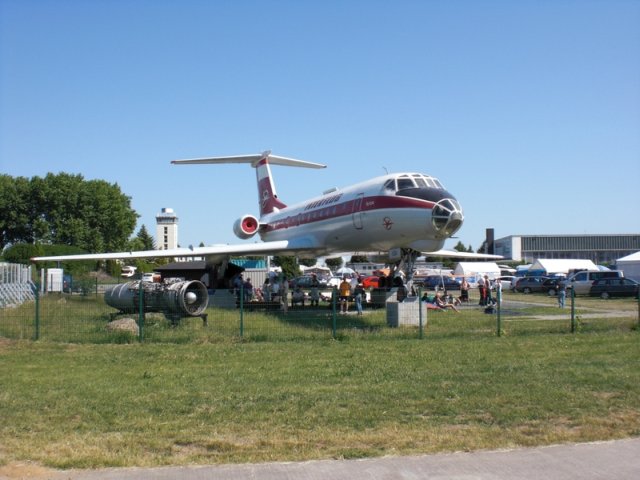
619, 460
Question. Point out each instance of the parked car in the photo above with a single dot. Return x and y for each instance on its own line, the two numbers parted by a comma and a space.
506, 281
438, 282
532, 284
551, 285
581, 282
370, 281
304, 281
614, 287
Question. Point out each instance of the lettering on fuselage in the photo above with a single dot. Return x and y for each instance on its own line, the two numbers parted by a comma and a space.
324, 202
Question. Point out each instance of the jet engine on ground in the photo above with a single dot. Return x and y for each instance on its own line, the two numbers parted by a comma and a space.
246, 226
174, 298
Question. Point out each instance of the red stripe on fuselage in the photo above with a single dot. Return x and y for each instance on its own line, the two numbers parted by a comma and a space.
306, 217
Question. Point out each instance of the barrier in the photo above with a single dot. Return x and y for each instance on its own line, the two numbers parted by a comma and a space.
16, 286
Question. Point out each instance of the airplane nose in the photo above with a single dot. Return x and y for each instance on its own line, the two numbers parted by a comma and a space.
447, 217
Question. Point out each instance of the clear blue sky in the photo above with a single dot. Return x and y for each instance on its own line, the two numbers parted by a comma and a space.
529, 111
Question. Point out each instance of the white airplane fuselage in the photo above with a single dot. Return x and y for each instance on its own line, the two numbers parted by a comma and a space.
366, 217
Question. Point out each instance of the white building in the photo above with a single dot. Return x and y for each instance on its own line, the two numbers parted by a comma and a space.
630, 265
166, 229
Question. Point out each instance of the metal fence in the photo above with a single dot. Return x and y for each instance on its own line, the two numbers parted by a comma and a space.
15, 285
84, 317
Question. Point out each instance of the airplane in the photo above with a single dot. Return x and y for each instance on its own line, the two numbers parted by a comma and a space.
396, 216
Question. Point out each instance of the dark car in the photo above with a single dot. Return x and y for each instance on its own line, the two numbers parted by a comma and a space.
614, 287
304, 281
532, 284
550, 285
437, 282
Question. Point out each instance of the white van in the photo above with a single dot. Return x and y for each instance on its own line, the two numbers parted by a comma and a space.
581, 281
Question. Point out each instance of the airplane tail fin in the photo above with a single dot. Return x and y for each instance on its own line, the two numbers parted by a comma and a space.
268, 198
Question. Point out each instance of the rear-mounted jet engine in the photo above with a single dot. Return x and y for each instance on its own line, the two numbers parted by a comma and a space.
246, 226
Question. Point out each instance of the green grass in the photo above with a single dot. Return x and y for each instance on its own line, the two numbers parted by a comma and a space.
286, 390
81, 405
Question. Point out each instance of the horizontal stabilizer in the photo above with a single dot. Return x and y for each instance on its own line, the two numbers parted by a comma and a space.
251, 159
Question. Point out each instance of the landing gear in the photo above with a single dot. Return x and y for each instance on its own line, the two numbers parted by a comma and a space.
407, 260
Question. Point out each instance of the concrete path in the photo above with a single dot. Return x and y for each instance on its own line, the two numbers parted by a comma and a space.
619, 460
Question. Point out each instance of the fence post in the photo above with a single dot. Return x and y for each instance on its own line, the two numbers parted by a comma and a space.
421, 336
241, 309
141, 312
334, 299
498, 316
37, 320
573, 311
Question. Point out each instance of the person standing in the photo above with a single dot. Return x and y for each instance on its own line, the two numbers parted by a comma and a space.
487, 288
483, 292
315, 292
284, 293
344, 294
464, 291
562, 293
498, 285
359, 294
248, 290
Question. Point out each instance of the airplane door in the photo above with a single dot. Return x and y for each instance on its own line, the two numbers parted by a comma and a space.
357, 212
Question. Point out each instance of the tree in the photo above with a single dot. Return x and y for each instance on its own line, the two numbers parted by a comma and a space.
334, 263
459, 247
288, 264
359, 259
22, 253
15, 219
147, 240
307, 262
65, 209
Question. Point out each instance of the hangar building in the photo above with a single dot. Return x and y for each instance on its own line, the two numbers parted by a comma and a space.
601, 249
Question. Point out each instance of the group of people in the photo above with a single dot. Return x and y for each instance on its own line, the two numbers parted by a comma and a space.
441, 301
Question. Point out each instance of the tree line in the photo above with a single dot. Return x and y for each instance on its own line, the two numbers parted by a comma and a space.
65, 209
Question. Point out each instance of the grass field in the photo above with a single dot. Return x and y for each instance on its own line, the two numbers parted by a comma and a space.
222, 400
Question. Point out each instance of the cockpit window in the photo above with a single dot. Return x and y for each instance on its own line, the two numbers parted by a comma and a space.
405, 182
420, 181
390, 185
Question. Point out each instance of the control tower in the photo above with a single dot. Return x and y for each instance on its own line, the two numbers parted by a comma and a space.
166, 229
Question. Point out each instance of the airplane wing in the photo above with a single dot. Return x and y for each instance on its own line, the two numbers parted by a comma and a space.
264, 248
456, 254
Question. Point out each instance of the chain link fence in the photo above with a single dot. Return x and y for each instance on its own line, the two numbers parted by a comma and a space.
85, 316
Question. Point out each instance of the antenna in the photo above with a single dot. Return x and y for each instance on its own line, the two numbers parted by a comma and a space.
385, 169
